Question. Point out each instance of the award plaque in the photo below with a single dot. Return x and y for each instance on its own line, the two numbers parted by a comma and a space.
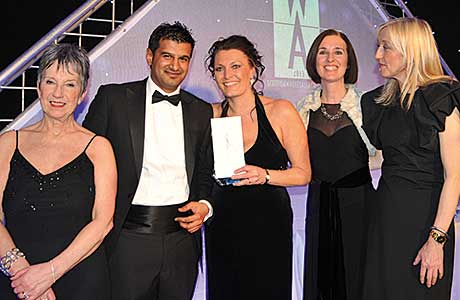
227, 142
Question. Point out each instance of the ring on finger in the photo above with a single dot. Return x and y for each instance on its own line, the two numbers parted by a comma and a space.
24, 295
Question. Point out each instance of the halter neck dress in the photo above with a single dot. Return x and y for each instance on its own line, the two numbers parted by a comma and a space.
249, 241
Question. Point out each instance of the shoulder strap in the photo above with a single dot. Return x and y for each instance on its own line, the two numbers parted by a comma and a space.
264, 124
89, 142
224, 108
17, 139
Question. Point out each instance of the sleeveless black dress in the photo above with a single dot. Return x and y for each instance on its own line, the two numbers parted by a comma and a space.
336, 208
249, 241
408, 193
44, 213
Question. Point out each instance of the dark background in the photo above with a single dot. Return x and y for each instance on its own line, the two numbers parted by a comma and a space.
444, 18
24, 22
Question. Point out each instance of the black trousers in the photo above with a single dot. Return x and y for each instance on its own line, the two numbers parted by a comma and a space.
154, 266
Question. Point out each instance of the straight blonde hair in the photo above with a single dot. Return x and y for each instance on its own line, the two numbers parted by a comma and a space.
413, 38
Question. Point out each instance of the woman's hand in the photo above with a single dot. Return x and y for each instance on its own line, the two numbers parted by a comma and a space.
48, 295
32, 282
431, 259
250, 175
18, 265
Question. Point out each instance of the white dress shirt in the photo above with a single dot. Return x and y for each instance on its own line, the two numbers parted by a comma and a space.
163, 178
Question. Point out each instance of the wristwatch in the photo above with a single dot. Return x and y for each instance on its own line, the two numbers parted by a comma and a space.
442, 239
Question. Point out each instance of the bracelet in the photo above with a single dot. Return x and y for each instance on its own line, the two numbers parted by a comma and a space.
7, 261
440, 230
267, 176
52, 271
440, 238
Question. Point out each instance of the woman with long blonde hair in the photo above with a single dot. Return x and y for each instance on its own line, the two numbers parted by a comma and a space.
414, 119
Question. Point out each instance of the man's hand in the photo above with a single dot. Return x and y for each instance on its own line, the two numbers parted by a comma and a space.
194, 222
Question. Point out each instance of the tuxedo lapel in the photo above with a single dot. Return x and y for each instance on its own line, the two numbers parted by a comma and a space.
189, 136
136, 119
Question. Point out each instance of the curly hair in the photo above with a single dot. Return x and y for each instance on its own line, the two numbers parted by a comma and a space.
241, 43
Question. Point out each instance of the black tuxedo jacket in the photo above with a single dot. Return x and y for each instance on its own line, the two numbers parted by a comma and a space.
118, 113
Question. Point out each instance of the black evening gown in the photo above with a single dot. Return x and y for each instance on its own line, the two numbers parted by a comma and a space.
336, 208
249, 241
44, 213
408, 193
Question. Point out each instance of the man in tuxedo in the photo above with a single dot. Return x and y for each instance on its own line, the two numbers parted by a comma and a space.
160, 135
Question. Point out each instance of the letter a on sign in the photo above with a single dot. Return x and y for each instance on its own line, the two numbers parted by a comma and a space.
296, 24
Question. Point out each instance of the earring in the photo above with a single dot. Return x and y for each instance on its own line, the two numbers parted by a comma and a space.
252, 80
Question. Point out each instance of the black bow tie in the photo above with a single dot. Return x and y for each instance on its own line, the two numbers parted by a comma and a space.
157, 97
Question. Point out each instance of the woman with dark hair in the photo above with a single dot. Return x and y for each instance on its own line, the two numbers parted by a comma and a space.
249, 242
335, 222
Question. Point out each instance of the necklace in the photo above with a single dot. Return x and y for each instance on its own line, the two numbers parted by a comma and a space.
330, 117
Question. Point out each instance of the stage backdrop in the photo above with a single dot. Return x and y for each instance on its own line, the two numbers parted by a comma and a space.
282, 30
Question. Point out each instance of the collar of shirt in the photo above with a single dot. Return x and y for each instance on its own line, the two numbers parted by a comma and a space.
152, 87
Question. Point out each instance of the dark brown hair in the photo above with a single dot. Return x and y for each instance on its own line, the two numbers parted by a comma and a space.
351, 74
241, 43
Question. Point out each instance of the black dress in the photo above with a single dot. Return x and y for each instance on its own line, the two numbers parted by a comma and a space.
44, 213
408, 193
335, 219
249, 241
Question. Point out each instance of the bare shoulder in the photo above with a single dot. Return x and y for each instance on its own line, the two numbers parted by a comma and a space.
216, 109
7, 146
99, 143
7, 141
99, 148
278, 107
85, 136
33, 128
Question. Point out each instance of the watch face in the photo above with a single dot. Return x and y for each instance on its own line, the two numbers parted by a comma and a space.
441, 239
438, 238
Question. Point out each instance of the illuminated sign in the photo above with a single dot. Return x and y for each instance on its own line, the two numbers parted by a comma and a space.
296, 24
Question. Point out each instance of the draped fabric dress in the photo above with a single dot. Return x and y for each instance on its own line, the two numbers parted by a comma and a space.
249, 241
336, 207
44, 213
408, 193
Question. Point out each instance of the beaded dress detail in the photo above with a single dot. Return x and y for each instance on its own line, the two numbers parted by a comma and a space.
45, 212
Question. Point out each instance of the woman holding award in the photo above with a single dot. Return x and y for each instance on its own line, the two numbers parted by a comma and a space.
249, 243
